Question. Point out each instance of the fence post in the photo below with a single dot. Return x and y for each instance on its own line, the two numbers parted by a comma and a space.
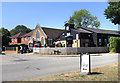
17, 50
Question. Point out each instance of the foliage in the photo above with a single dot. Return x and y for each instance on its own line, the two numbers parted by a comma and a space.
20, 28
114, 44
113, 12
5, 36
83, 18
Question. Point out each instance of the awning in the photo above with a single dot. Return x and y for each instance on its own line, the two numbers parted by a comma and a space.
57, 42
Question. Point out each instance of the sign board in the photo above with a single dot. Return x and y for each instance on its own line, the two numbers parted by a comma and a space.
85, 64
36, 50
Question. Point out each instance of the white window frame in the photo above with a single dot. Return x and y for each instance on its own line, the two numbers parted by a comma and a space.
39, 35
50, 40
12, 39
15, 39
22, 38
43, 41
26, 38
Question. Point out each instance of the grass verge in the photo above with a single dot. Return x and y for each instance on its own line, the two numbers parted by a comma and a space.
105, 73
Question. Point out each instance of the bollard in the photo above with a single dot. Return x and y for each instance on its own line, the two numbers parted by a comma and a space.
17, 50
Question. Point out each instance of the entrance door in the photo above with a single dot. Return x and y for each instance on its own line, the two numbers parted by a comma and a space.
69, 41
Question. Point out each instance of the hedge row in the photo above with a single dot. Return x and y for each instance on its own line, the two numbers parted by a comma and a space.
114, 44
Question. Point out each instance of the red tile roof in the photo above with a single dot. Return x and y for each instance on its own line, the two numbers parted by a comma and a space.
17, 35
50, 32
28, 34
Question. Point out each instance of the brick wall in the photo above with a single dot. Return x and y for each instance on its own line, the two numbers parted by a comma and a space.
25, 41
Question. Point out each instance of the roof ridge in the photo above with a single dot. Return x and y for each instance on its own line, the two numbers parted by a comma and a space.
52, 28
97, 29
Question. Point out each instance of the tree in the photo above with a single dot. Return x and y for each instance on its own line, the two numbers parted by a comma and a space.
20, 28
4, 34
113, 12
83, 18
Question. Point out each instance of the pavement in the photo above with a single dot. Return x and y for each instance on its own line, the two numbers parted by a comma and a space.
26, 66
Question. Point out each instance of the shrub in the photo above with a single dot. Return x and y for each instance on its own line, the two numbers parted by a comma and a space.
114, 44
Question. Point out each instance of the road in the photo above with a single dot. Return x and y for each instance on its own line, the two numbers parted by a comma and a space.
20, 67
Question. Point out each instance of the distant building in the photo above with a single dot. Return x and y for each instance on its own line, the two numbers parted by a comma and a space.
86, 37
44, 37
16, 38
40, 37
70, 37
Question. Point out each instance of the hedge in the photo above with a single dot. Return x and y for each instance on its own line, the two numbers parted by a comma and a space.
114, 44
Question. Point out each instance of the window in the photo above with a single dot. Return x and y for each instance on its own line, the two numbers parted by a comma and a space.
100, 41
68, 34
88, 35
37, 35
15, 40
26, 38
105, 40
86, 40
77, 36
50, 41
108, 38
67, 28
42, 41
76, 41
12, 40
23, 39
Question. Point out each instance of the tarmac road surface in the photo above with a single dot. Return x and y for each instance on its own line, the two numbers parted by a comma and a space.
20, 67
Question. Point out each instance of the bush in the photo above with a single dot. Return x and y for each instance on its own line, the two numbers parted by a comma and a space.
114, 44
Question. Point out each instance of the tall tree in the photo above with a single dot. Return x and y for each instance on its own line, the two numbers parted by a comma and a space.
113, 12
4, 34
20, 28
83, 18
